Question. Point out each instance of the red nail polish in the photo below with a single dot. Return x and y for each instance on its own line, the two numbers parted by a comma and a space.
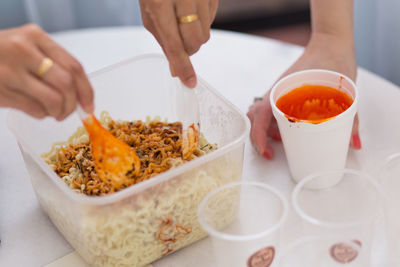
268, 152
355, 139
266, 155
277, 137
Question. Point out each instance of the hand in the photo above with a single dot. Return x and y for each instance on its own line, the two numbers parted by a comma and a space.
323, 52
179, 40
57, 92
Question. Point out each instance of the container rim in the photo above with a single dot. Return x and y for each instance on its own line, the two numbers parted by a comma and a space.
351, 109
324, 223
219, 234
122, 194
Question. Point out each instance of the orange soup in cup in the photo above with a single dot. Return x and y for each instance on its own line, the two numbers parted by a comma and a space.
313, 103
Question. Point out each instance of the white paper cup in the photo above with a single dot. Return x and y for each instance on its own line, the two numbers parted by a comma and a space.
312, 147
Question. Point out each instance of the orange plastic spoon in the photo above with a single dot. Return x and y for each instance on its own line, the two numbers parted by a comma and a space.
114, 160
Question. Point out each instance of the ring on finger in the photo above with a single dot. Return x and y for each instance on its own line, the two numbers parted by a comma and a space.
44, 67
257, 99
188, 19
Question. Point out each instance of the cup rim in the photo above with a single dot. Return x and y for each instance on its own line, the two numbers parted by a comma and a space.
388, 262
387, 162
348, 110
325, 223
232, 237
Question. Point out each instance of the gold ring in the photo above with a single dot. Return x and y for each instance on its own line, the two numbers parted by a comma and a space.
188, 18
44, 67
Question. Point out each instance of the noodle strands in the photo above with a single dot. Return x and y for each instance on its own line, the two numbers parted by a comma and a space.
190, 140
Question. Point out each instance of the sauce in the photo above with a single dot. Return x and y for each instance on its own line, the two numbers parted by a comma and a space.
313, 103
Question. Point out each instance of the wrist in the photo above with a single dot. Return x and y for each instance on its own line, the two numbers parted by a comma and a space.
339, 42
333, 19
332, 52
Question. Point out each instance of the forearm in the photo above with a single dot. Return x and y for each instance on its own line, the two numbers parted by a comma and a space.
333, 17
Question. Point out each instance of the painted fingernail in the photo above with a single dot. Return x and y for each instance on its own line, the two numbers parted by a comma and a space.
355, 141
191, 82
268, 153
277, 137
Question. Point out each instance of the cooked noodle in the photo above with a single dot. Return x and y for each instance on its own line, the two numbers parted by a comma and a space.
158, 145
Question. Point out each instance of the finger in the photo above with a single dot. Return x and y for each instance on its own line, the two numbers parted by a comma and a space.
14, 99
213, 10
61, 80
250, 115
32, 60
252, 110
165, 22
81, 83
260, 128
260, 122
192, 32
203, 9
148, 24
171, 68
48, 97
273, 130
355, 141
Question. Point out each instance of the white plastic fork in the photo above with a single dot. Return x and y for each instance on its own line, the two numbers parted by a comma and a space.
188, 112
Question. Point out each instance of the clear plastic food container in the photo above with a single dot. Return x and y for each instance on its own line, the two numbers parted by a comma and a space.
144, 222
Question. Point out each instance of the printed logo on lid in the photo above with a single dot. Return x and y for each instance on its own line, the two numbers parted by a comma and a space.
344, 253
262, 258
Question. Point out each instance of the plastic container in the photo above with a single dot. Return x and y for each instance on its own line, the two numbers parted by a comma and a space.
144, 222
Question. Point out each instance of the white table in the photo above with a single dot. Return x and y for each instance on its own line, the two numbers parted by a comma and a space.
240, 67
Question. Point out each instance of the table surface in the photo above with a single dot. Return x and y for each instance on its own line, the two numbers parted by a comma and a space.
240, 67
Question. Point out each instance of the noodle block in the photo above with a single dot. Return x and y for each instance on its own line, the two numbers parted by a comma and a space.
146, 226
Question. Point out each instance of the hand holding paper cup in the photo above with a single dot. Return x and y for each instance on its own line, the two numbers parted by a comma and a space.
315, 111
